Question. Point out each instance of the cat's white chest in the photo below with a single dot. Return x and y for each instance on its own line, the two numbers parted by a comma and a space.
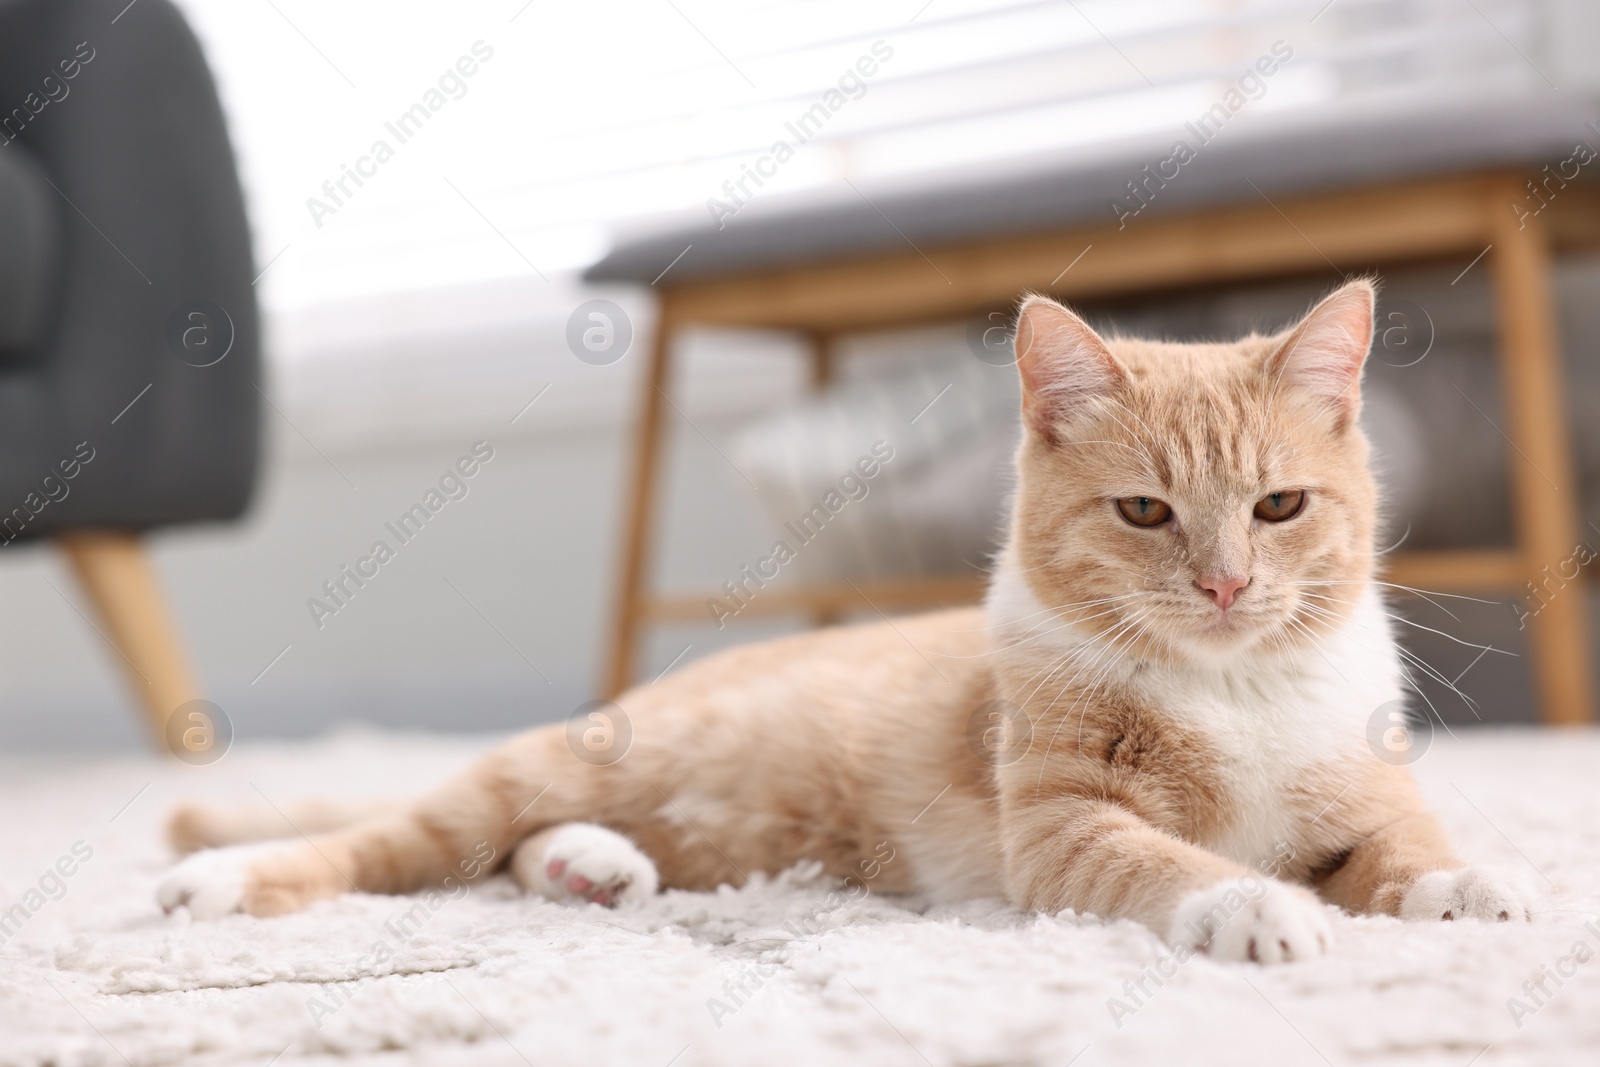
1265, 742
1274, 728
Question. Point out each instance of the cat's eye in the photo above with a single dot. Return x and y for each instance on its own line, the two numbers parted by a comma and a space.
1277, 507
1144, 510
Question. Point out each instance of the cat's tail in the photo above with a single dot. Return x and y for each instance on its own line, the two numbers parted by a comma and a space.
192, 827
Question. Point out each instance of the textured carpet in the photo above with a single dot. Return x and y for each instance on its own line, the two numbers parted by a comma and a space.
91, 972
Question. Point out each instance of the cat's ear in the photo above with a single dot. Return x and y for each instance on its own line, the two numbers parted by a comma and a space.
1063, 364
1324, 354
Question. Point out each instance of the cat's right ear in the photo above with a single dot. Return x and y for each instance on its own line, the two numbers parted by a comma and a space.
1063, 364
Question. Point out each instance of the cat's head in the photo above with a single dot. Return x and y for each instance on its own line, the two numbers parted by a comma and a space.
1196, 500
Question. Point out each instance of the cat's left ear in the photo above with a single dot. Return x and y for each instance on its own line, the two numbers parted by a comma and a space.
1063, 363
1324, 354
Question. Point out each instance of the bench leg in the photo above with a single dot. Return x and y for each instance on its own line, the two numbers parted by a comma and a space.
639, 508
1545, 490
824, 363
116, 572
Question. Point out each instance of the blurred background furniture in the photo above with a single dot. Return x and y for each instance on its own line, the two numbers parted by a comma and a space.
1467, 186
128, 332
433, 309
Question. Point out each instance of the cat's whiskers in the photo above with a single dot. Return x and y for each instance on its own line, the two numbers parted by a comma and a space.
1107, 649
1054, 665
1313, 639
1050, 668
1007, 623
1280, 641
1327, 612
1334, 599
1088, 647
1049, 671
1408, 622
1094, 689
1412, 659
1066, 624
1417, 689
1425, 594
1403, 538
1329, 584
1110, 647
1452, 637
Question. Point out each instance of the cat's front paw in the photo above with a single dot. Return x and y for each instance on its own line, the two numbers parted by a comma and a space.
1255, 919
584, 862
1470, 893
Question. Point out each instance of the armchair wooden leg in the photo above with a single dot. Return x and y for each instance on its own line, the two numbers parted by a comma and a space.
116, 571
1545, 490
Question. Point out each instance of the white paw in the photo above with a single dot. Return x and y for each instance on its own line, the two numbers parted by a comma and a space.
1470, 893
585, 862
1254, 919
210, 883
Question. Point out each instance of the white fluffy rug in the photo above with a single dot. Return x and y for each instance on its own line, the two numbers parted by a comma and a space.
91, 972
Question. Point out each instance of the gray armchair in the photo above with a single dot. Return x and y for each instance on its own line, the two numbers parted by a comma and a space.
129, 353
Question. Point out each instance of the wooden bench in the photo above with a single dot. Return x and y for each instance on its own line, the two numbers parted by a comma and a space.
1463, 215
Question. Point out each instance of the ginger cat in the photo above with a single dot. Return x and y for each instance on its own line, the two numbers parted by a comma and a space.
1159, 715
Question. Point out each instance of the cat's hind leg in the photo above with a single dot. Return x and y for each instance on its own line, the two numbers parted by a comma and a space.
579, 861
458, 833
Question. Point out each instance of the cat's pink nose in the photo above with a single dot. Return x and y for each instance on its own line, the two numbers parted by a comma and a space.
1222, 590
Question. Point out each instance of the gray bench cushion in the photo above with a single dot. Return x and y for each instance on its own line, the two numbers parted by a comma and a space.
1281, 154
